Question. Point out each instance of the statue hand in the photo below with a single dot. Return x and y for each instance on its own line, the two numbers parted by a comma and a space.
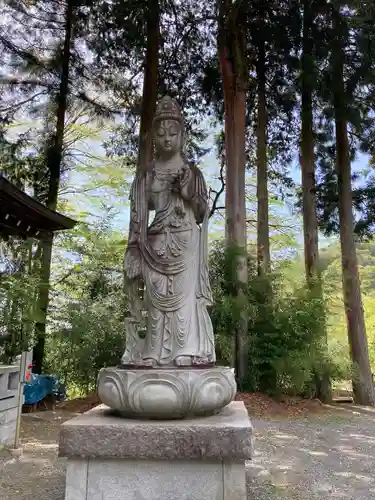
176, 183
180, 178
132, 263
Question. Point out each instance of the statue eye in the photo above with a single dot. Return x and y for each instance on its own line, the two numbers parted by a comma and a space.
161, 132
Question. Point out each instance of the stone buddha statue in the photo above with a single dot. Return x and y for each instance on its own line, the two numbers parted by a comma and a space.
168, 255
168, 368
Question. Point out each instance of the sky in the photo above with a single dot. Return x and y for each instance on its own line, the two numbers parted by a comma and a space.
90, 204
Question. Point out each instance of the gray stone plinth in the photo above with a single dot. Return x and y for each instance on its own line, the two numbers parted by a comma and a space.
165, 393
112, 458
99, 433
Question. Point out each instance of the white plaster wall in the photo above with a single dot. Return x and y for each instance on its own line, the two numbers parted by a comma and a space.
9, 398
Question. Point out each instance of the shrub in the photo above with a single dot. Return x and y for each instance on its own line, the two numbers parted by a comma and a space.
93, 337
285, 327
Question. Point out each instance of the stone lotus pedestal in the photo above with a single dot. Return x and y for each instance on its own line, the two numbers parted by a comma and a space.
166, 393
113, 458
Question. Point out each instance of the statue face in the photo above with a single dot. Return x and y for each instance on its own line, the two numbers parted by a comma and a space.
168, 137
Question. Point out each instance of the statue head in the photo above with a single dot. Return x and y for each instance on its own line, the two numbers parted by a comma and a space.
168, 128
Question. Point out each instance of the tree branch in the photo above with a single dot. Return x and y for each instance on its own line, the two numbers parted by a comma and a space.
18, 105
218, 193
16, 81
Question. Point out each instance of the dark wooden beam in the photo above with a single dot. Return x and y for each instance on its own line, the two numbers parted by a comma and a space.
21, 215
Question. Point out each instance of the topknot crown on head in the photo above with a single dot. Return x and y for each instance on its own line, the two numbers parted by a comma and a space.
168, 109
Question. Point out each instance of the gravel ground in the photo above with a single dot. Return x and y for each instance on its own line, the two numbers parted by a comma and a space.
330, 456
38, 473
327, 457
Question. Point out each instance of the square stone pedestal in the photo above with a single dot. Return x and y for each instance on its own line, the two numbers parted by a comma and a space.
113, 458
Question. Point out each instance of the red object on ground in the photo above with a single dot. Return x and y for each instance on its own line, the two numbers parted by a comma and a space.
28, 373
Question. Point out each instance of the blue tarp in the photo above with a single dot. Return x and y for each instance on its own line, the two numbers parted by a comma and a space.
39, 387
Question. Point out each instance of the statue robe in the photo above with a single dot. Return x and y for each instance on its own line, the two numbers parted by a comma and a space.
171, 256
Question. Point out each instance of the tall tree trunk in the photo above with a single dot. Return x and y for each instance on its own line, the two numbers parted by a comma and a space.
307, 158
27, 324
362, 382
150, 84
310, 221
263, 236
231, 50
54, 159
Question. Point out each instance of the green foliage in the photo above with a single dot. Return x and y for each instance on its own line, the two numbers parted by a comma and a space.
86, 329
286, 327
18, 282
227, 306
92, 338
286, 332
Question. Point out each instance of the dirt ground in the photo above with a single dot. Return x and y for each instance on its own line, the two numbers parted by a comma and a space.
38, 473
303, 450
259, 405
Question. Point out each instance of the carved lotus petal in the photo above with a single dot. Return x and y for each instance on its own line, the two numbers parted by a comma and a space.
211, 391
111, 390
163, 395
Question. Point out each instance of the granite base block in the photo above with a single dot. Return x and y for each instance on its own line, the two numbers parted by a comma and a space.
195, 459
115, 479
